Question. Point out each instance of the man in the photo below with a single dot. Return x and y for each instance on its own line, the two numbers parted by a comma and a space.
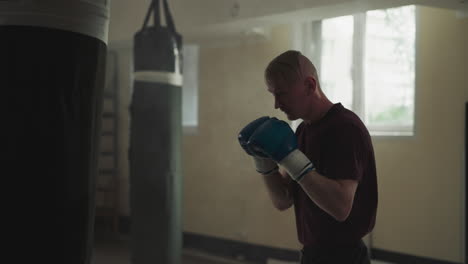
326, 168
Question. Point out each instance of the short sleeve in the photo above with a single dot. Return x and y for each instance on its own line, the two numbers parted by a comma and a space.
344, 154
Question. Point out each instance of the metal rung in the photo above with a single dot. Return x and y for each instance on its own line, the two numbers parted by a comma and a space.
108, 95
106, 171
105, 189
107, 133
105, 211
108, 114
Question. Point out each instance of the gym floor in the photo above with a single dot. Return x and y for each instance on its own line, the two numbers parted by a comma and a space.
115, 250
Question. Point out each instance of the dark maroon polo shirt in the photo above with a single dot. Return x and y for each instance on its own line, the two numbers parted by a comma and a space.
340, 147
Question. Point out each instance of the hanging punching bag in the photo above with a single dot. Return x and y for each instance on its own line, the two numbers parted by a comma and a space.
52, 58
155, 134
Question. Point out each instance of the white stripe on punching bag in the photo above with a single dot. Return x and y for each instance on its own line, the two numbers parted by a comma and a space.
172, 78
88, 17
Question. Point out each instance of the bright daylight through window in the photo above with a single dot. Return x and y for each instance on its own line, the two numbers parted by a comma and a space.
366, 62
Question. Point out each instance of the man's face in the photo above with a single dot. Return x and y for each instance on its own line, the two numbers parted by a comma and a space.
289, 98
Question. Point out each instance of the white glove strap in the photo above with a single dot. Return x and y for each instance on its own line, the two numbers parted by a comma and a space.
265, 165
296, 164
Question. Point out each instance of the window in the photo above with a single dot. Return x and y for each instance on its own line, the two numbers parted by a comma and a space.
389, 70
366, 62
337, 59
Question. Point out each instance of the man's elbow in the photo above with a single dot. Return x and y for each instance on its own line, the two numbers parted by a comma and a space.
283, 206
341, 218
342, 215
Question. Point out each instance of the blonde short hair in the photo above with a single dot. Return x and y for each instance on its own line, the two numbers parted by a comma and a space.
284, 67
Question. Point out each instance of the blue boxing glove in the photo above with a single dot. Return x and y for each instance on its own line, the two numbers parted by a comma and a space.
263, 163
275, 139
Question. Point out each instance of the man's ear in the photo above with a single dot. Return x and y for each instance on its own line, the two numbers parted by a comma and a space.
311, 85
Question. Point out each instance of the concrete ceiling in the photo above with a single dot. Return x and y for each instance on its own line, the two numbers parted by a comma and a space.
197, 19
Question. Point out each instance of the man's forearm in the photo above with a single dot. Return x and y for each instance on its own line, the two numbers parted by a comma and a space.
328, 194
278, 190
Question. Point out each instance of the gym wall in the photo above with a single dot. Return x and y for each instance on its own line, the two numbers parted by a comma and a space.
421, 178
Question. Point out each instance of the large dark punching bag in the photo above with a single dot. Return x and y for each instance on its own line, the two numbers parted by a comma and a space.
52, 61
155, 135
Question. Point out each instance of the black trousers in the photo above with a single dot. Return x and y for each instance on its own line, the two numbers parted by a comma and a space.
357, 254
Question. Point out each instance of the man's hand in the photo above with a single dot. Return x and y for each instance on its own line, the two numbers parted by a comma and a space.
263, 163
275, 139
